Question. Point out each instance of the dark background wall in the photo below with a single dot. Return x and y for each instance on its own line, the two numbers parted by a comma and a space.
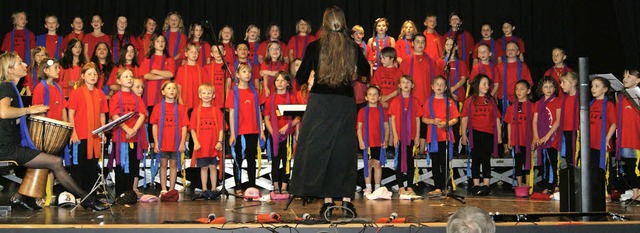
607, 31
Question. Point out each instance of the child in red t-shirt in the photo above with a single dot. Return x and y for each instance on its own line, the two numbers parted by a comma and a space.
31, 80
378, 41
387, 76
71, 63
435, 43
404, 118
226, 37
51, 40
189, 77
546, 136
155, 69
245, 120
274, 63
464, 38
207, 132
103, 58
90, 40
174, 33
49, 71
440, 113
519, 126
87, 106
217, 75
196, 31
485, 67
507, 28
121, 38
357, 33
19, 39
510, 71
128, 59
570, 112
629, 134
420, 67
602, 126
144, 40
480, 127
403, 44
252, 35
457, 71
273, 34
373, 135
558, 56
298, 43
77, 32
281, 129
129, 140
170, 121
487, 40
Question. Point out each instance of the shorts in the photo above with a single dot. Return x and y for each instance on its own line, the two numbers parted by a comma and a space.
204, 162
18, 153
628, 153
168, 155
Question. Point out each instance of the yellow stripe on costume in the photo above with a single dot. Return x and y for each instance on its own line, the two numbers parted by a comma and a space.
577, 150
289, 153
416, 174
48, 190
637, 161
558, 169
23, 91
531, 173
606, 176
259, 155
453, 181
183, 171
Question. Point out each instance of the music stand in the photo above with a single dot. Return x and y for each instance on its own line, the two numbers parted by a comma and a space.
101, 182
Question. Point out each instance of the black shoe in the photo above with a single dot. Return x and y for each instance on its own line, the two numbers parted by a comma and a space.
348, 210
25, 202
91, 203
325, 210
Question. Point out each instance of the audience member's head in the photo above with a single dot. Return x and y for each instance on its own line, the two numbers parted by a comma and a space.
471, 219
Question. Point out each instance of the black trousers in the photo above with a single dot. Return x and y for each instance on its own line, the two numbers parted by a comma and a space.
85, 173
550, 169
401, 177
598, 201
440, 166
279, 164
481, 154
250, 154
124, 181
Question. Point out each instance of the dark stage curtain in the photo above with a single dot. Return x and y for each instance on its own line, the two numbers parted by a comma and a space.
606, 31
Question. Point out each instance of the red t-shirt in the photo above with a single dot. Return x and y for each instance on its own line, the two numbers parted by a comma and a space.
468, 44
404, 47
375, 129
496, 49
271, 105
189, 79
570, 113
512, 78
435, 44
298, 44
374, 53
56, 100
152, 87
119, 42
550, 113
230, 52
396, 110
273, 66
462, 71
216, 77
67, 75
509, 39
482, 113
122, 103
595, 122
487, 69
630, 131
114, 72
143, 46
91, 41
28, 80
422, 69
253, 52
171, 44
555, 72
440, 112
523, 116
301, 98
387, 79
207, 128
68, 37
19, 43
51, 43
168, 135
78, 102
262, 50
247, 116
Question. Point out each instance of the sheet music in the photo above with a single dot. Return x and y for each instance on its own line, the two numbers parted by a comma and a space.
615, 82
633, 93
291, 109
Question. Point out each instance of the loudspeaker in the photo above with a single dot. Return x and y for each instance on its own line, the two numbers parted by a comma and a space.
570, 193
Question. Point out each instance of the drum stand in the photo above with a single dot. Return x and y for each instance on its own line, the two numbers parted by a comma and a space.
101, 181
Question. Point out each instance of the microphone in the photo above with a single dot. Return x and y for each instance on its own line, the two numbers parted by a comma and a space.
211, 217
305, 217
392, 217
457, 26
205, 22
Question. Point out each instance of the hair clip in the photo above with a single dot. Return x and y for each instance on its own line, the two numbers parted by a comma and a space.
50, 62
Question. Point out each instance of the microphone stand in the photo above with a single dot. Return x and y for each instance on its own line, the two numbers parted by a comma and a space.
225, 67
447, 68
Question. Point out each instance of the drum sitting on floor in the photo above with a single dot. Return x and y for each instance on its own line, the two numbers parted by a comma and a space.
49, 136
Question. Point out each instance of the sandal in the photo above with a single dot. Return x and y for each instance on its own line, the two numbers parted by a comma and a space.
239, 193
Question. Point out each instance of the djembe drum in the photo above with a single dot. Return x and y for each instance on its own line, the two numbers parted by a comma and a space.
49, 136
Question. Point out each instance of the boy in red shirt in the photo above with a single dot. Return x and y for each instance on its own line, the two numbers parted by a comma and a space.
558, 56
421, 67
298, 43
373, 135
387, 76
207, 132
19, 39
464, 38
507, 28
51, 40
189, 77
487, 40
435, 44
217, 75
509, 72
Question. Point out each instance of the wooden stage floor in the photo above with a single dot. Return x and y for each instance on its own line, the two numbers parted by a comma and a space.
242, 212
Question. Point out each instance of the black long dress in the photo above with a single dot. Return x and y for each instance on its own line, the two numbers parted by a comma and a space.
325, 161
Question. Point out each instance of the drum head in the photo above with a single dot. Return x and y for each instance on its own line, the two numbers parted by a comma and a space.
50, 120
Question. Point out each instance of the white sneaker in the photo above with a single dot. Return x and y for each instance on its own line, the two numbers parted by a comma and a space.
405, 197
367, 192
